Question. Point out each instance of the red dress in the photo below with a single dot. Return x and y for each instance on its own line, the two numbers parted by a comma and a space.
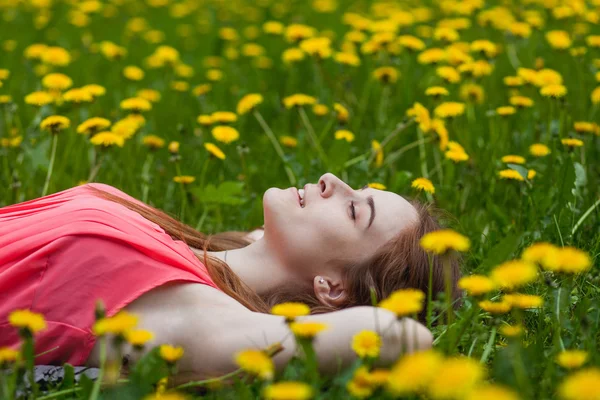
61, 252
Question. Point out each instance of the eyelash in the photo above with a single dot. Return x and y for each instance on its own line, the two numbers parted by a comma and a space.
353, 213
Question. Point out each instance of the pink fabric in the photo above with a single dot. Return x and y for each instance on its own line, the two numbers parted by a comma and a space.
61, 252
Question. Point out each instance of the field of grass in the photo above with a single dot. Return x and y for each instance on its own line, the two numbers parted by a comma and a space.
487, 108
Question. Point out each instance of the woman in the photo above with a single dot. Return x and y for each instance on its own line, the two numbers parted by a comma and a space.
326, 245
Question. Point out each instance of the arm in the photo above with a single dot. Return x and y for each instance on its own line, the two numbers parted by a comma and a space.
239, 330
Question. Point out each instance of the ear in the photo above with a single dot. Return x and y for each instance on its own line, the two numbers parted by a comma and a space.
329, 291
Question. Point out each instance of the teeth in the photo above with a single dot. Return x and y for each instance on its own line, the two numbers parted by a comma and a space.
301, 195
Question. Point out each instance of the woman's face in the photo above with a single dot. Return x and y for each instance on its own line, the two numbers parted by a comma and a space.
337, 225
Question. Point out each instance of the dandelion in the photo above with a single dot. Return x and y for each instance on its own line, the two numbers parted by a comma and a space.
153, 142
378, 150
107, 139
572, 142
309, 329
360, 385
413, 372
572, 358
505, 110
92, 125
539, 150
202, 89
510, 174
444, 240
523, 301
290, 310
585, 127
495, 307
184, 179
39, 98
256, 362
344, 135
404, 302
554, 91
214, 75
288, 141
558, 39
347, 58
26, 319
513, 81
55, 123
449, 74
386, 74
580, 385
513, 274
138, 337
421, 115
288, 390
449, 109
133, 73
514, 159
8, 355
366, 344
455, 378
436, 91
298, 100
248, 103
341, 113
136, 104
95, 90
225, 134
57, 81
537, 252
456, 152
173, 147
320, 110
149, 94
511, 330
567, 259
292, 55
223, 117
170, 353
117, 324
214, 150
476, 285
423, 184
472, 92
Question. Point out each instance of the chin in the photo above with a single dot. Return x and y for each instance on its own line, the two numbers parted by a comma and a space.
279, 207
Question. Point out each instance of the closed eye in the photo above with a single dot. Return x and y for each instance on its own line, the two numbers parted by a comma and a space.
353, 210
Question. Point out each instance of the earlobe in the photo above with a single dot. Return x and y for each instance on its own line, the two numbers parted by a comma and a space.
329, 293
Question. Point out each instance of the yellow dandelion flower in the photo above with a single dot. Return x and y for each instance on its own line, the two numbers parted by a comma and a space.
404, 302
567, 259
214, 150
93, 125
572, 358
523, 301
248, 103
298, 32
449, 109
495, 307
107, 139
179, 86
320, 110
366, 344
513, 159
292, 55
57, 81
436, 91
39, 98
153, 141
513, 81
135, 104
205, 120
377, 185
448, 73
347, 58
149, 94
513, 274
185, 179
510, 174
202, 89
256, 362
26, 319
173, 147
421, 115
225, 134
386, 74
223, 117
288, 390
35, 51
521, 101
511, 330
118, 324
595, 96
95, 90
505, 110
298, 100
55, 55
378, 149
572, 142
8, 355
344, 134
431, 56
476, 285
273, 27
554, 91
288, 141
55, 123
531, 173
580, 385
170, 353
138, 337
423, 184
584, 126
290, 310
472, 92
308, 329
539, 150
537, 252
456, 377
77, 95
414, 372
341, 113
558, 39
133, 73
214, 75
444, 240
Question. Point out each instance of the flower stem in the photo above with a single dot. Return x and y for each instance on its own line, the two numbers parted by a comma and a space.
52, 157
98, 382
312, 135
277, 146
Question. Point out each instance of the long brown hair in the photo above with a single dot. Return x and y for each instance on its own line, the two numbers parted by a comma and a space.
399, 263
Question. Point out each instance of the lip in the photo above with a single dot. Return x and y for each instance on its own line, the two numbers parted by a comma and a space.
295, 191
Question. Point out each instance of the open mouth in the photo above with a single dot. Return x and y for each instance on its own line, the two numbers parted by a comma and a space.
300, 193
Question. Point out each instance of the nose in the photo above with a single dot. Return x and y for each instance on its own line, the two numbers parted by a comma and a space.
329, 184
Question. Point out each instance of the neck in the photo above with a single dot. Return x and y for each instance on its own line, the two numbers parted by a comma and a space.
256, 265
